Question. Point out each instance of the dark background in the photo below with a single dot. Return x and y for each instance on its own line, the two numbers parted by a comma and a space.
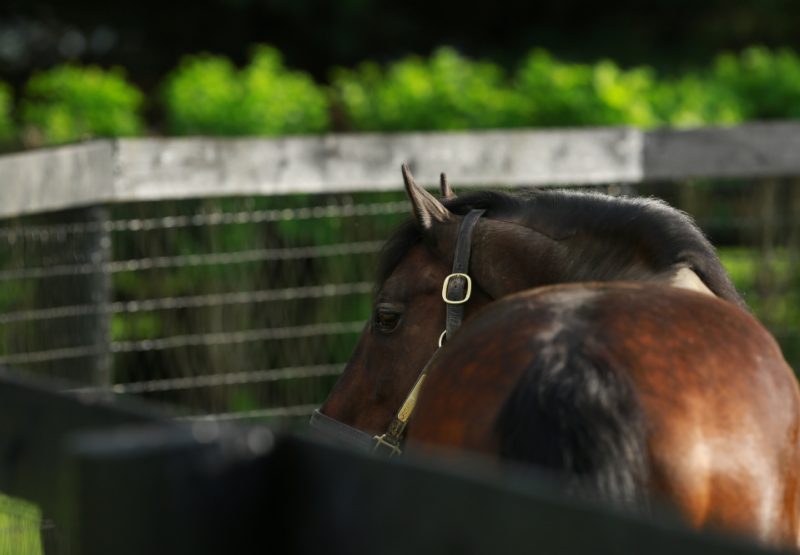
148, 37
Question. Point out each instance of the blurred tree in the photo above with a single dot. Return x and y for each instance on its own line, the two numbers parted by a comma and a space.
6, 124
445, 91
207, 95
69, 103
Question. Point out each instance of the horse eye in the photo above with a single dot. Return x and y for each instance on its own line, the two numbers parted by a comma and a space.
386, 320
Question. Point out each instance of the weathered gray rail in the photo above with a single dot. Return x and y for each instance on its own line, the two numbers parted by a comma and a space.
123, 170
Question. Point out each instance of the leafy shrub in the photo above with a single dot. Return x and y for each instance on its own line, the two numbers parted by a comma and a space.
446, 91
557, 93
68, 102
765, 83
691, 101
208, 95
451, 92
6, 122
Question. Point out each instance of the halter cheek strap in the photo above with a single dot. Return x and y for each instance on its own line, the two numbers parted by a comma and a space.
457, 287
456, 290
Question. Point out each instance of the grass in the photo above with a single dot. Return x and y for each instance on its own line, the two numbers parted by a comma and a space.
19, 527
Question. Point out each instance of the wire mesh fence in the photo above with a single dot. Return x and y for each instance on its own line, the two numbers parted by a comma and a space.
227, 306
241, 308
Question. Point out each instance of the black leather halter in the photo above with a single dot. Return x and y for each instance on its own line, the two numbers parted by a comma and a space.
456, 290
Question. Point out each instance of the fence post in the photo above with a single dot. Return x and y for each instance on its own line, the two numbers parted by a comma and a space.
100, 293
91, 329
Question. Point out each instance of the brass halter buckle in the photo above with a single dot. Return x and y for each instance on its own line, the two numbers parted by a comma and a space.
467, 295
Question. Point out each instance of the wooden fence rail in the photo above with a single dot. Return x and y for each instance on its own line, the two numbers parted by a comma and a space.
123, 170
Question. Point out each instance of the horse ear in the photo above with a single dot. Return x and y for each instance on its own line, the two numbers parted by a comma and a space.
447, 191
427, 209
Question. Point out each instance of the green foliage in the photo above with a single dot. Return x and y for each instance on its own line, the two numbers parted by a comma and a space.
6, 121
771, 286
20, 523
135, 327
68, 103
208, 95
691, 101
451, 92
766, 83
756, 84
447, 91
557, 93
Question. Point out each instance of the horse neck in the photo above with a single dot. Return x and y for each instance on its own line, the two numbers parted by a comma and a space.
508, 258
596, 258
508, 261
552, 243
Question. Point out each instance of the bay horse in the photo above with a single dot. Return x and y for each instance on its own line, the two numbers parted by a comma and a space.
520, 242
516, 242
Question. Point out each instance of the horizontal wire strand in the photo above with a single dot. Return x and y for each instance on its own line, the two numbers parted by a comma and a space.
281, 412
235, 337
188, 260
195, 301
217, 380
54, 354
190, 340
44, 232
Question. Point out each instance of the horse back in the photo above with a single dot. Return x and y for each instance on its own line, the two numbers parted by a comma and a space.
634, 390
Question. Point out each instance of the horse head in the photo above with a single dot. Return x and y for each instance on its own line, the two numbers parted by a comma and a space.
408, 316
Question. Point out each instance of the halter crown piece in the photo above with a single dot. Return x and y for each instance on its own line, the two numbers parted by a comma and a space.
456, 291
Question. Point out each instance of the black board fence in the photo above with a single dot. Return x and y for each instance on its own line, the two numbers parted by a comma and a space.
118, 478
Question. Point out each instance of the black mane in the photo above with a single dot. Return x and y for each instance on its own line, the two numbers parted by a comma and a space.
605, 234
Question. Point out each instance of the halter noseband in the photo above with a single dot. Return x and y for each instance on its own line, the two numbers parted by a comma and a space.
456, 290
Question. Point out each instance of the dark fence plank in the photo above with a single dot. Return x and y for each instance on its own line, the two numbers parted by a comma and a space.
35, 420
306, 498
145, 485
337, 502
185, 490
